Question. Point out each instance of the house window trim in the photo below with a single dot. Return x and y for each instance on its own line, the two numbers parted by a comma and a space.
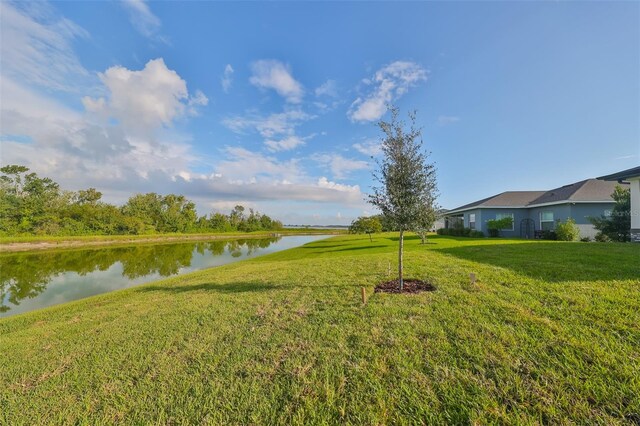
513, 221
546, 221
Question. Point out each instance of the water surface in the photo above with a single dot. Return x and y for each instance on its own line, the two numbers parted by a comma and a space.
30, 281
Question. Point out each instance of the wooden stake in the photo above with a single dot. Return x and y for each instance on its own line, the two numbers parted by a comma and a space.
389, 270
364, 295
472, 277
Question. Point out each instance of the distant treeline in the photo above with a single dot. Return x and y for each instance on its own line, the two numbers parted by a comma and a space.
31, 205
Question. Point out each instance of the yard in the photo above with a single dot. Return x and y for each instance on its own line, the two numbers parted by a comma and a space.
549, 334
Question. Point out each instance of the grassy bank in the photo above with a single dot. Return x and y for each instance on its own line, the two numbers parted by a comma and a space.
549, 334
32, 242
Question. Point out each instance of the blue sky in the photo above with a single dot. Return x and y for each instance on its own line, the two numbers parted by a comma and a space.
274, 105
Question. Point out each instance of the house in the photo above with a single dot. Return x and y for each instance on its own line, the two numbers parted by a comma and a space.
533, 211
440, 220
632, 177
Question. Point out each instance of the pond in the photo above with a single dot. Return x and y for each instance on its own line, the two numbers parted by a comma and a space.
34, 280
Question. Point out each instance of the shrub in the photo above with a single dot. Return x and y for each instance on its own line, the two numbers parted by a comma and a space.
585, 239
617, 226
549, 235
460, 232
495, 225
602, 238
567, 231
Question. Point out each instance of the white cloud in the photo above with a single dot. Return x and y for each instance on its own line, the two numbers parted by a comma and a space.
286, 144
278, 130
387, 85
445, 120
144, 100
37, 48
328, 88
123, 140
269, 126
247, 175
142, 19
272, 74
369, 147
227, 78
243, 165
340, 166
198, 99
323, 182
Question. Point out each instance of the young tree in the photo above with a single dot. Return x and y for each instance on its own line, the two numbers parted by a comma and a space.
366, 225
428, 216
407, 181
618, 225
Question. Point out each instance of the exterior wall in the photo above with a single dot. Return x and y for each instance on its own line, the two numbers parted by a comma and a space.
560, 212
582, 212
467, 216
439, 223
635, 209
489, 214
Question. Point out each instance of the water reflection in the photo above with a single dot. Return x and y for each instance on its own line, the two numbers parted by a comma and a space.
34, 280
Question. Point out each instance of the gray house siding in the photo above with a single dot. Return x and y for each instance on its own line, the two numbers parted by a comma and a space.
467, 217
580, 212
518, 215
579, 201
560, 212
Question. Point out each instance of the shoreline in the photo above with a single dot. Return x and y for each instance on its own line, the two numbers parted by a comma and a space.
81, 241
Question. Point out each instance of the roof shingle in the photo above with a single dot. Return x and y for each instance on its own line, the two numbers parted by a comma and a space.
589, 190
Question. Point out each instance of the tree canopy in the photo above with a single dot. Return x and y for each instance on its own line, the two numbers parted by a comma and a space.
366, 225
406, 180
31, 205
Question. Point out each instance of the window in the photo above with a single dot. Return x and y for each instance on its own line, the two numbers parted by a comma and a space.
502, 216
546, 221
472, 221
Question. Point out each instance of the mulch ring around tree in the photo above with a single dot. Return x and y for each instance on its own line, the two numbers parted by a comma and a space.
410, 286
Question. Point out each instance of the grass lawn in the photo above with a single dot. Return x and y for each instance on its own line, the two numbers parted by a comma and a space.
549, 335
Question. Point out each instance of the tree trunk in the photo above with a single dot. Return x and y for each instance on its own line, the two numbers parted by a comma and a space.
400, 249
370, 239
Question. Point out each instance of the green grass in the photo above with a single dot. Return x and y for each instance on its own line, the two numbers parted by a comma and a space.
549, 335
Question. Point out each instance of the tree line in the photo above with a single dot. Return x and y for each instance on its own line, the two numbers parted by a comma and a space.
32, 205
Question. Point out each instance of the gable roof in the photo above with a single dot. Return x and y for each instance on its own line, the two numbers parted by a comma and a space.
504, 199
590, 190
585, 191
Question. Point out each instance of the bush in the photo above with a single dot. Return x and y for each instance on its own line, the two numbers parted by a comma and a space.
602, 238
585, 239
495, 225
617, 226
549, 235
460, 232
567, 231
